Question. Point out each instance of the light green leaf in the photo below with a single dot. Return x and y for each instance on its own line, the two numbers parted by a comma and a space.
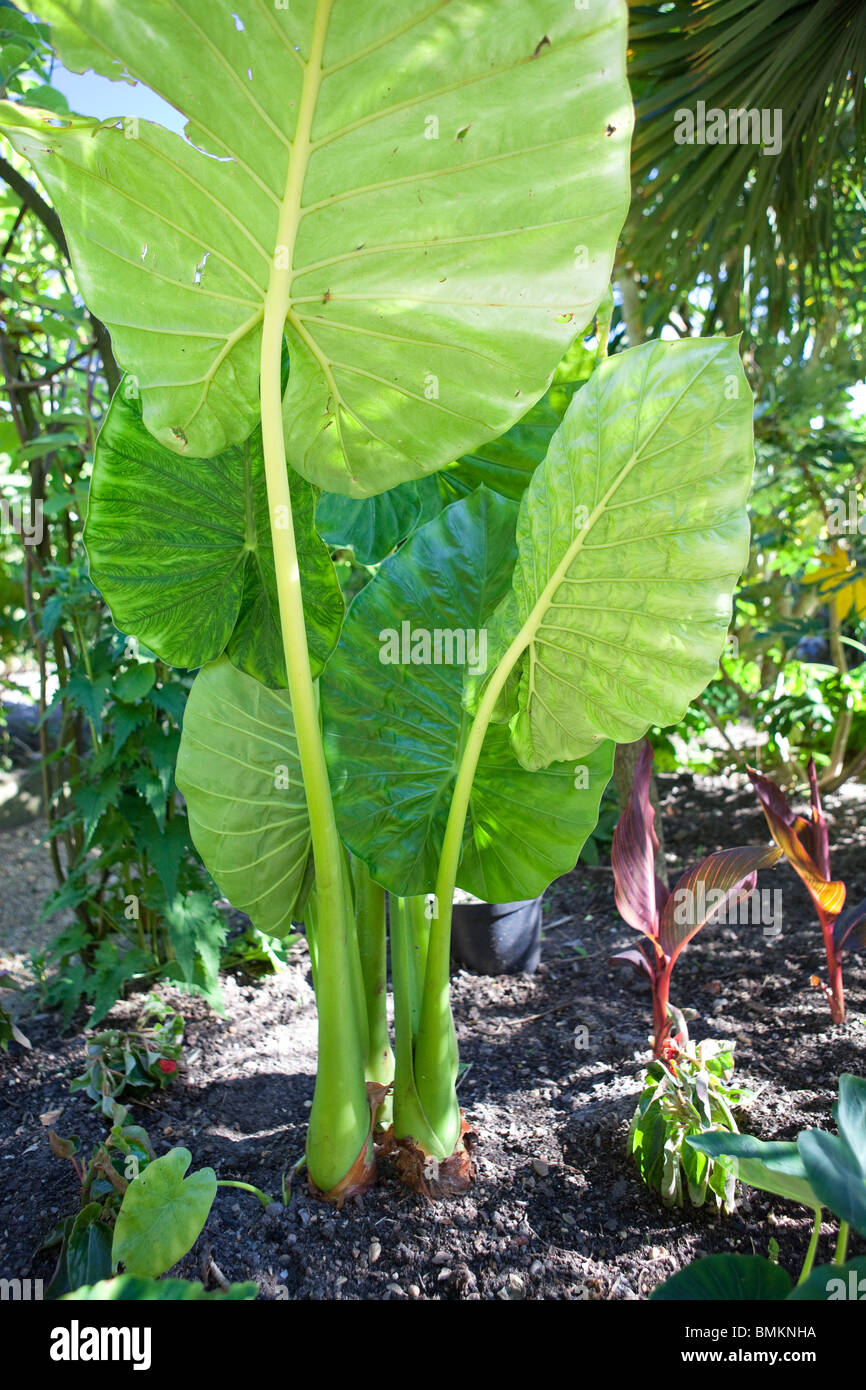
239, 771
181, 551
393, 731
128, 1288
450, 210
631, 537
773, 1167
162, 1215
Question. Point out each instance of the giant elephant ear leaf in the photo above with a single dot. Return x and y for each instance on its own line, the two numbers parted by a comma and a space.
239, 770
443, 186
631, 537
183, 556
393, 714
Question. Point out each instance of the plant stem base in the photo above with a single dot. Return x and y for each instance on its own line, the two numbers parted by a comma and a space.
362, 1174
437, 1179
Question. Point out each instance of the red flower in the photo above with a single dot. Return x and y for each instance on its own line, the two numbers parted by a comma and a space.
166, 1066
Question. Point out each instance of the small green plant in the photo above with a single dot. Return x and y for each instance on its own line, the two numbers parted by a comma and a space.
135, 1209
85, 1236
685, 1093
819, 1170
138, 1059
255, 953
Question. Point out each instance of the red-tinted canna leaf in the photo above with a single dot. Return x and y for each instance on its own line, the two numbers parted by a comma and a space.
820, 846
789, 832
633, 956
704, 892
640, 895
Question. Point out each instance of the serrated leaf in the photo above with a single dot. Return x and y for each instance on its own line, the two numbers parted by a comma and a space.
239, 770
444, 228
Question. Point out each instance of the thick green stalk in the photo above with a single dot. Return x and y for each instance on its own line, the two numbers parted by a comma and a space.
339, 1120
373, 949
410, 1120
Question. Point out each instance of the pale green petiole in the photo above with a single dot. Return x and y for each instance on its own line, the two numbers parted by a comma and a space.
340, 1117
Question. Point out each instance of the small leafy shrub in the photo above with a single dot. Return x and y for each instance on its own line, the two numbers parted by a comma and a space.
686, 1093
819, 1170
138, 1059
668, 919
806, 846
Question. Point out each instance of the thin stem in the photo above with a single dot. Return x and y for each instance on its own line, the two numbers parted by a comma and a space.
841, 1251
263, 1197
340, 1117
436, 1052
813, 1247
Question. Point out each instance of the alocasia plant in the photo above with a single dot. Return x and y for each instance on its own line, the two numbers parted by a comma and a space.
668, 919
806, 846
362, 263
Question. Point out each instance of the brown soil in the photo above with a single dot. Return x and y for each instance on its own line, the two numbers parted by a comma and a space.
555, 1210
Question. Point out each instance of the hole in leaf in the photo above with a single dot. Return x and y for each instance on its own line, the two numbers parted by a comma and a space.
199, 270
239, 24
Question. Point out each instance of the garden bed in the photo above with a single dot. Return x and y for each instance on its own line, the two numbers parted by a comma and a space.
554, 1063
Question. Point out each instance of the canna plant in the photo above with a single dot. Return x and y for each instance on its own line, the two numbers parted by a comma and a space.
703, 895
363, 262
806, 846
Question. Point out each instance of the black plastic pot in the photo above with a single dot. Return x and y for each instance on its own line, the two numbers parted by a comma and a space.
497, 938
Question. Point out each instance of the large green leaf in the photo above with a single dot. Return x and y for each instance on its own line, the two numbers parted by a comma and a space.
162, 1214
838, 1174
393, 731
833, 1283
443, 189
371, 526
238, 768
631, 536
771, 1166
721, 1278
182, 554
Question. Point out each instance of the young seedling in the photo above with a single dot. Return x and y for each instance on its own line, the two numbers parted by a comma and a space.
703, 895
687, 1093
325, 286
806, 846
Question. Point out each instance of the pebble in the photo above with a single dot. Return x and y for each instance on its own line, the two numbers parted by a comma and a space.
395, 1288
414, 1291
537, 1267
540, 1167
374, 1251
441, 1258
